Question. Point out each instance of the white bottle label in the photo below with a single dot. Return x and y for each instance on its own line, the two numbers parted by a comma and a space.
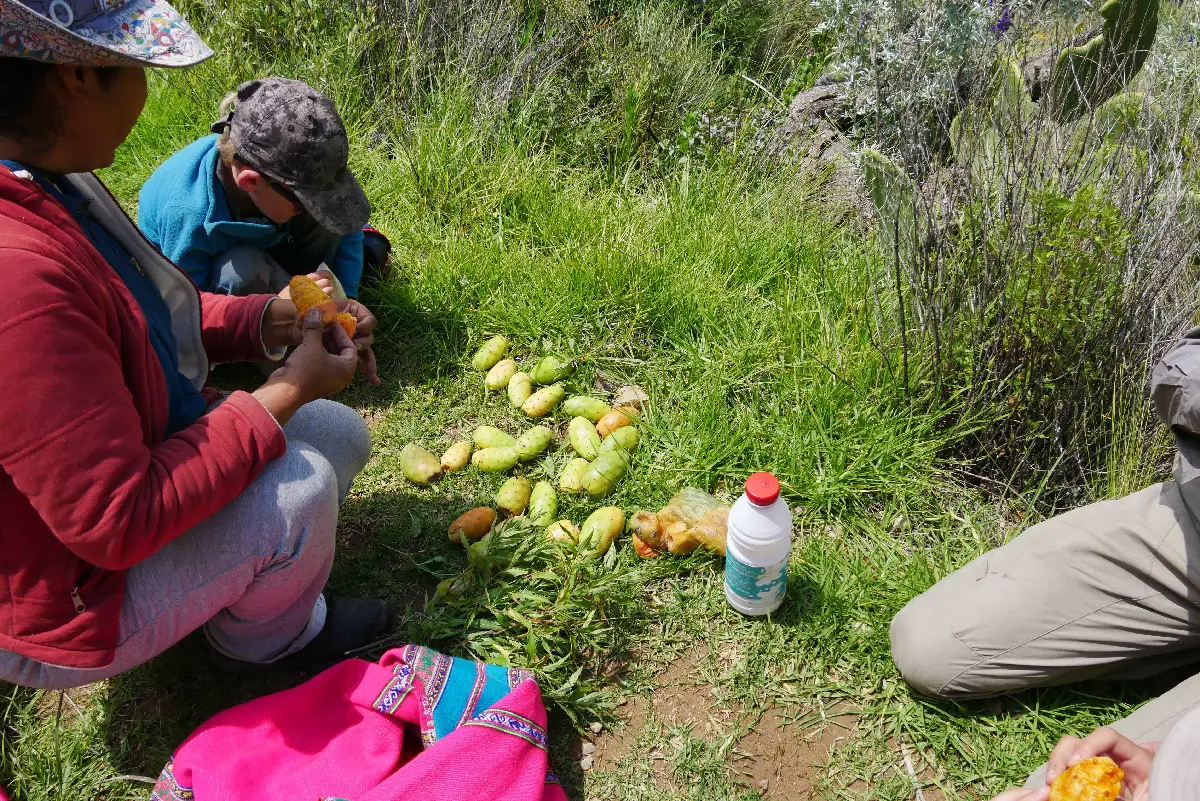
757, 584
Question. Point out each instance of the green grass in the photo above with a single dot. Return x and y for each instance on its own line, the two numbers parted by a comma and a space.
753, 324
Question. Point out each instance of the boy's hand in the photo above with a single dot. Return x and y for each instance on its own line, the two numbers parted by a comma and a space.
364, 338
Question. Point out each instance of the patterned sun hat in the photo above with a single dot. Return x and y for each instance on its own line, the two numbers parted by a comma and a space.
100, 33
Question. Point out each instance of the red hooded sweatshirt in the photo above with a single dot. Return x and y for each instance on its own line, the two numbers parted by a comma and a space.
89, 485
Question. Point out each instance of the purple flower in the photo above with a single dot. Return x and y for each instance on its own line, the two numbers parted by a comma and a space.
1003, 23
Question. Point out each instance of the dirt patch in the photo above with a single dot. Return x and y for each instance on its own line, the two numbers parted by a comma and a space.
357, 535
780, 758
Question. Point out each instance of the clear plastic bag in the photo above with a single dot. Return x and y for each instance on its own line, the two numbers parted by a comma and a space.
693, 519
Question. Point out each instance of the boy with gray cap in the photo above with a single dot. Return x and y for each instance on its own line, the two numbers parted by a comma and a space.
266, 197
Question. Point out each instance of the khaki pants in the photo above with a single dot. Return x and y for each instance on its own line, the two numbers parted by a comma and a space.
1111, 589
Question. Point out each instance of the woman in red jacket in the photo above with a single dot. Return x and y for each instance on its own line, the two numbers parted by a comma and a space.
136, 505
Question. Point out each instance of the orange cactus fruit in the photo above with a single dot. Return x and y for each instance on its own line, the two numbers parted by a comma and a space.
643, 549
348, 322
1094, 779
306, 295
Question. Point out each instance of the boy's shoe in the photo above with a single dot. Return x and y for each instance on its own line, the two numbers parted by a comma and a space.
377, 250
350, 623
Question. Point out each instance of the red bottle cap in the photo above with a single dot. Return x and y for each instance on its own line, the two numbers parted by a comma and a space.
762, 489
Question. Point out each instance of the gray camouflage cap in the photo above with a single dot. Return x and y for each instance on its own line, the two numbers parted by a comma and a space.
291, 133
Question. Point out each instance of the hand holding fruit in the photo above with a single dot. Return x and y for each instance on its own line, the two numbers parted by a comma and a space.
1131, 760
324, 362
354, 318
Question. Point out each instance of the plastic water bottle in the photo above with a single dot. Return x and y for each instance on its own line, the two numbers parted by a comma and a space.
756, 551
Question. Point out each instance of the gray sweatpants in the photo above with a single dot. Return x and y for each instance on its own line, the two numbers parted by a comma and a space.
251, 574
1111, 589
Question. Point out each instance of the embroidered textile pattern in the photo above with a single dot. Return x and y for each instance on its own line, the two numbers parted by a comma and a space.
396, 690
433, 669
518, 675
167, 788
511, 723
476, 692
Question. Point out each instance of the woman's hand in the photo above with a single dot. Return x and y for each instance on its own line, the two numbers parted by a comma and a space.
1134, 759
323, 364
281, 329
364, 338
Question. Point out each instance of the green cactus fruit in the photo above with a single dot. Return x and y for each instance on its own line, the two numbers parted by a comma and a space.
492, 437
625, 439
585, 406
584, 438
552, 369
513, 496
543, 504
533, 442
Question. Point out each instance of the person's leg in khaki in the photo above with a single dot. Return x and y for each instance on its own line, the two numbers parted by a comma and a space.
1111, 589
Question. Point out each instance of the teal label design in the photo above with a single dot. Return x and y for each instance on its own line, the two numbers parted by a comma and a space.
755, 583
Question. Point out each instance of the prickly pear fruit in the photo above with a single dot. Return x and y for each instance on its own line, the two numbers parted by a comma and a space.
500, 374
455, 586
492, 437
551, 369
642, 548
563, 531
419, 465
533, 442
603, 475
624, 439
601, 528
348, 322
584, 406
456, 457
520, 387
571, 478
612, 421
644, 526
513, 496
542, 402
584, 438
543, 504
472, 525
305, 294
492, 351
495, 460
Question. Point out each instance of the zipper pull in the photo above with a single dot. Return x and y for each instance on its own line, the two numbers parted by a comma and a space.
80, 608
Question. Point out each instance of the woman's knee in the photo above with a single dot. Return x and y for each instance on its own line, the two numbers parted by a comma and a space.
307, 498
338, 432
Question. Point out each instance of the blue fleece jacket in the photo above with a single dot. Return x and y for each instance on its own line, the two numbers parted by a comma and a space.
182, 209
